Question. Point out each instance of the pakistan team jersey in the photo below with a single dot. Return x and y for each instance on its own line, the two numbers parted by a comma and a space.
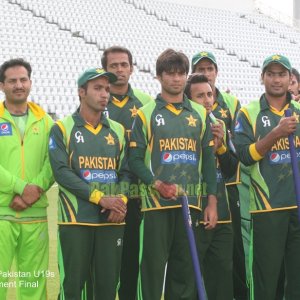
85, 160
272, 186
226, 108
226, 165
173, 140
125, 111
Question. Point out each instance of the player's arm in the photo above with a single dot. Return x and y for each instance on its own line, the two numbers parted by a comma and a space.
137, 150
236, 111
124, 174
45, 177
227, 159
250, 150
209, 177
244, 140
10, 183
286, 126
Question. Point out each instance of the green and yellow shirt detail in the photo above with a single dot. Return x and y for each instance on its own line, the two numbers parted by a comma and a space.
173, 138
226, 108
24, 160
224, 215
125, 110
86, 162
272, 186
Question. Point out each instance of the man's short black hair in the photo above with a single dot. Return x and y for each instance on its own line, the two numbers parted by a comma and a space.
115, 49
296, 74
171, 60
14, 63
194, 78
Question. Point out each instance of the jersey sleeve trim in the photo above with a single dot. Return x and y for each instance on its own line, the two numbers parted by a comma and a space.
254, 153
222, 150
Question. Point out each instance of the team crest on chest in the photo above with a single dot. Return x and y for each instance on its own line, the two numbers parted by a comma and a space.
192, 121
133, 111
223, 112
110, 139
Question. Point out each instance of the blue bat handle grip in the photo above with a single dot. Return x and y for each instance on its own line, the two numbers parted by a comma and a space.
294, 161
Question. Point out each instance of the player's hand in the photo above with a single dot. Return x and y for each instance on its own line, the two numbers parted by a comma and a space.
115, 217
297, 98
113, 203
166, 190
218, 134
286, 126
18, 204
31, 194
211, 213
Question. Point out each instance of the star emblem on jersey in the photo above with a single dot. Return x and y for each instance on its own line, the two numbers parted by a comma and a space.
110, 139
192, 121
223, 113
281, 177
133, 111
172, 178
276, 57
35, 130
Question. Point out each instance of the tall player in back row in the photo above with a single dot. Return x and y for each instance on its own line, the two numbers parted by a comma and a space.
124, 101
225, 108
261, 141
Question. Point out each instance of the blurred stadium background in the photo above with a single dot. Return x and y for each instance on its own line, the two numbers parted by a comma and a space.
62, 38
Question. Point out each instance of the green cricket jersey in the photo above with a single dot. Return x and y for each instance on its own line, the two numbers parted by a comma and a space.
125, 111
24, 160
226, 165
86, 162
272, 186
173, 140
226, 108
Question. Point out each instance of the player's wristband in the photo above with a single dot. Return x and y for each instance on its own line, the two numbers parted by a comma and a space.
222, 150
96, 196
123, 197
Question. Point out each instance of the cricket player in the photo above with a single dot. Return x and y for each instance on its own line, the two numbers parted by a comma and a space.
169, 150
261, 141
225, 108
25, 177
86, 151
123, 104
216, 245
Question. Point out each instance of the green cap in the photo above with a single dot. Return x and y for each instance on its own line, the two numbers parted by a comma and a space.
278, 59
201, 55
93, 73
